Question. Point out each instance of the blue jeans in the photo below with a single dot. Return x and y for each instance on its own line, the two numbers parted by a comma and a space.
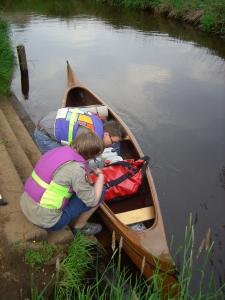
116, 148
74, 208
44, 142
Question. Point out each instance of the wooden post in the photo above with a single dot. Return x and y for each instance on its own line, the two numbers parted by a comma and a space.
23, 70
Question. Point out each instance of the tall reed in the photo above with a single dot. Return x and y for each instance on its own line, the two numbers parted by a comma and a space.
116, 282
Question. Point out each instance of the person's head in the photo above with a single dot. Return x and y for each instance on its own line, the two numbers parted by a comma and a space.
113, 132
88, 144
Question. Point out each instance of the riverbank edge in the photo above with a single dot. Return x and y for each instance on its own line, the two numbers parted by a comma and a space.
7, 58
208, 18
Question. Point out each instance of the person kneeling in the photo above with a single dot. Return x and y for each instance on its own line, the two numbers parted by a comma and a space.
58, 193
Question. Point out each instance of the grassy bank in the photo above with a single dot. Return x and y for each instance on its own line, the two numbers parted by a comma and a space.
7, 59
208, 15
81, 277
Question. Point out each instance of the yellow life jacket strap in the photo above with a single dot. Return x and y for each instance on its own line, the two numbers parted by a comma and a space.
73, 120
41, 182
54, 192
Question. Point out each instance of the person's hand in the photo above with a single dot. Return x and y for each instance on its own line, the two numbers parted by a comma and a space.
97, 171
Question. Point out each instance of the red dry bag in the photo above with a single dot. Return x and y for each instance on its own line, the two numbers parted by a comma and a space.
123, 178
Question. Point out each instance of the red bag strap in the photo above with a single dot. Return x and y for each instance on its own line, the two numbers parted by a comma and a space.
125, 164
118, 180
146, 160
127, 175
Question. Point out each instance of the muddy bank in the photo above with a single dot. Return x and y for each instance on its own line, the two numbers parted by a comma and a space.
191, 17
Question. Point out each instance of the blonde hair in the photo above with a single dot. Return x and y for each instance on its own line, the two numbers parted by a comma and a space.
88, 144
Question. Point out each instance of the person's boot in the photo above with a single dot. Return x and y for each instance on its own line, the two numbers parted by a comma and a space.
88, 229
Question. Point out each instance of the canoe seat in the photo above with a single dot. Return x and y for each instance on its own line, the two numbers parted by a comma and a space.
137, 215
101, 110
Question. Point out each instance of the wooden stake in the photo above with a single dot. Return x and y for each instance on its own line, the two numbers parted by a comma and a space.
23, 70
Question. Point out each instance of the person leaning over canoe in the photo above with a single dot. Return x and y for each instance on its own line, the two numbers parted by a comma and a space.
57, 193
60, 128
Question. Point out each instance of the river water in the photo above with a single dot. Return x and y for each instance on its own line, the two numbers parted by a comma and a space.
166, 81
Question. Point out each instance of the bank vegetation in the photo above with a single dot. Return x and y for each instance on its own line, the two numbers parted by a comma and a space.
208, 15
86, 277
7, 59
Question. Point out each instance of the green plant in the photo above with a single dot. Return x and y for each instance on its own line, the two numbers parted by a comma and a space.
7, 58
43, 252
121, 284
207, 21
71, 271
117, 282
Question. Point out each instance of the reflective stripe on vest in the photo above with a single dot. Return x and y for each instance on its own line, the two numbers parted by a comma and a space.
73, 120
82, 120
54, 193
68, 121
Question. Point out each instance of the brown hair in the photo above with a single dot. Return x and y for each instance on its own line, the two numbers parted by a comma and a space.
88, 144
114, 128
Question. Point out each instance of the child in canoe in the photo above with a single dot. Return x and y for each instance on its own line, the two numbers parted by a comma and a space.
60, 128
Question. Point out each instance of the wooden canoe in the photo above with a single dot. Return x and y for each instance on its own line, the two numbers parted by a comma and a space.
147, 248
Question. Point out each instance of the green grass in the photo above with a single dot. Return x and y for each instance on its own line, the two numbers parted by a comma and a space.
42, 253
116, 282
212, 11
7, 58
70, 273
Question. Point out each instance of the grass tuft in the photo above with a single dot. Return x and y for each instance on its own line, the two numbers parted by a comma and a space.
71, 271
35, 257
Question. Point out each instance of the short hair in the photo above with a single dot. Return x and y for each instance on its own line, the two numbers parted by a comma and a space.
88, 144
114, 128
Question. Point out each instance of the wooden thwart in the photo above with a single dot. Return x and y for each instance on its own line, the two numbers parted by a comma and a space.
137, 215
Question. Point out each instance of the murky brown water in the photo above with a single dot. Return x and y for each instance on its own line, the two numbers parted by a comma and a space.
166, 81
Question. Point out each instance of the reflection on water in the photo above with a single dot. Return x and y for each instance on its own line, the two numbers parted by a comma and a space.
222, 177
149, 74
166, 80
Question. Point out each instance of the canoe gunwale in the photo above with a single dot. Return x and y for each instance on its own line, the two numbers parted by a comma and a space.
132, 138
142, 242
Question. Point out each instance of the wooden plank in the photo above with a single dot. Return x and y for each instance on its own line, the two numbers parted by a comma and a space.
137, 215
